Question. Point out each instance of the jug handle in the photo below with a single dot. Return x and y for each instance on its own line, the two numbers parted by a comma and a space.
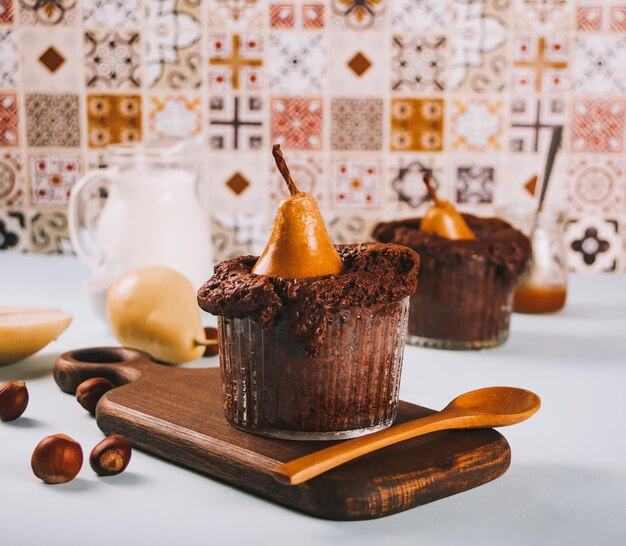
75, 216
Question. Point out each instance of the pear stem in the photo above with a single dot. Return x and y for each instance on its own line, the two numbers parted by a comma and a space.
431, 190
282, 167
206, 342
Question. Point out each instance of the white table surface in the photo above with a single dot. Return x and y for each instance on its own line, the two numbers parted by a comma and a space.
566, 484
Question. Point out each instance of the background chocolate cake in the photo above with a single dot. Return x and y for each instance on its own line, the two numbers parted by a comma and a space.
466, 286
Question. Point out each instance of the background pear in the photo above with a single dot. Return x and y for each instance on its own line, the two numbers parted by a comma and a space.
154, 309
26, 330
299, 245
443, 219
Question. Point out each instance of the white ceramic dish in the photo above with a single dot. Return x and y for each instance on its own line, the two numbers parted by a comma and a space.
96, 288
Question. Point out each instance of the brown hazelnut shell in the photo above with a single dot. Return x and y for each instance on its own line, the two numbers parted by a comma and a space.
111, 456
57, 459
211, 350
13, 400
89, 392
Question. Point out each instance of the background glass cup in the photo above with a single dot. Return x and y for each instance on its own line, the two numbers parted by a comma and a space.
542, 288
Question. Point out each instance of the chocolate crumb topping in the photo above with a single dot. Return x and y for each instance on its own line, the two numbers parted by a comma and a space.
375, 274
498, 241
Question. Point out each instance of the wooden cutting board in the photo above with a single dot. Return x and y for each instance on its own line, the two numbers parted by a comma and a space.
176, 414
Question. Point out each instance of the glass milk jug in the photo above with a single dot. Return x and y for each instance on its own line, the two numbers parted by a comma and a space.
152, 215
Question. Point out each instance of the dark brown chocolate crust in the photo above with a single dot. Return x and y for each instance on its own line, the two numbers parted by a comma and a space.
375, 274
498, 241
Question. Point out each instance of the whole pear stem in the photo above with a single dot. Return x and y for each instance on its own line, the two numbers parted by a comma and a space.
431, 190
284, 170
206, 342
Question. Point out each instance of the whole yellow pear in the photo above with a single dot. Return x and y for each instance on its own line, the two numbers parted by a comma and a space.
154, 310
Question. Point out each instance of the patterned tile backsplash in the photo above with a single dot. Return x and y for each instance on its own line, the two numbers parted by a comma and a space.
365, 96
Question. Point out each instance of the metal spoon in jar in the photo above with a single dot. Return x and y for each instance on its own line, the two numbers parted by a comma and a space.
483, 408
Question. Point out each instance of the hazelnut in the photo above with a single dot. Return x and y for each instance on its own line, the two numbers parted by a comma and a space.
89, 392
13, 400
57, 459
111, 456
211, 350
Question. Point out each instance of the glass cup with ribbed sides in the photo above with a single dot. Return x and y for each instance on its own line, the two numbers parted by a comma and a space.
465, 306
271, 387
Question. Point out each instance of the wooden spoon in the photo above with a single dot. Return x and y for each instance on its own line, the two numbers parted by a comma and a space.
483, 408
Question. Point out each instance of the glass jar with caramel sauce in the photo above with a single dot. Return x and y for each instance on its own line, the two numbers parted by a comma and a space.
542, 288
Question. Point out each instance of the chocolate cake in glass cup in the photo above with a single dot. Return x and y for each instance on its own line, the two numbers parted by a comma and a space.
466, 286
314, 358
311, 334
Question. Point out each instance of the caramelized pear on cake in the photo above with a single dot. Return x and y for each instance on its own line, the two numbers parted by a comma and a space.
443, 219
299, 246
